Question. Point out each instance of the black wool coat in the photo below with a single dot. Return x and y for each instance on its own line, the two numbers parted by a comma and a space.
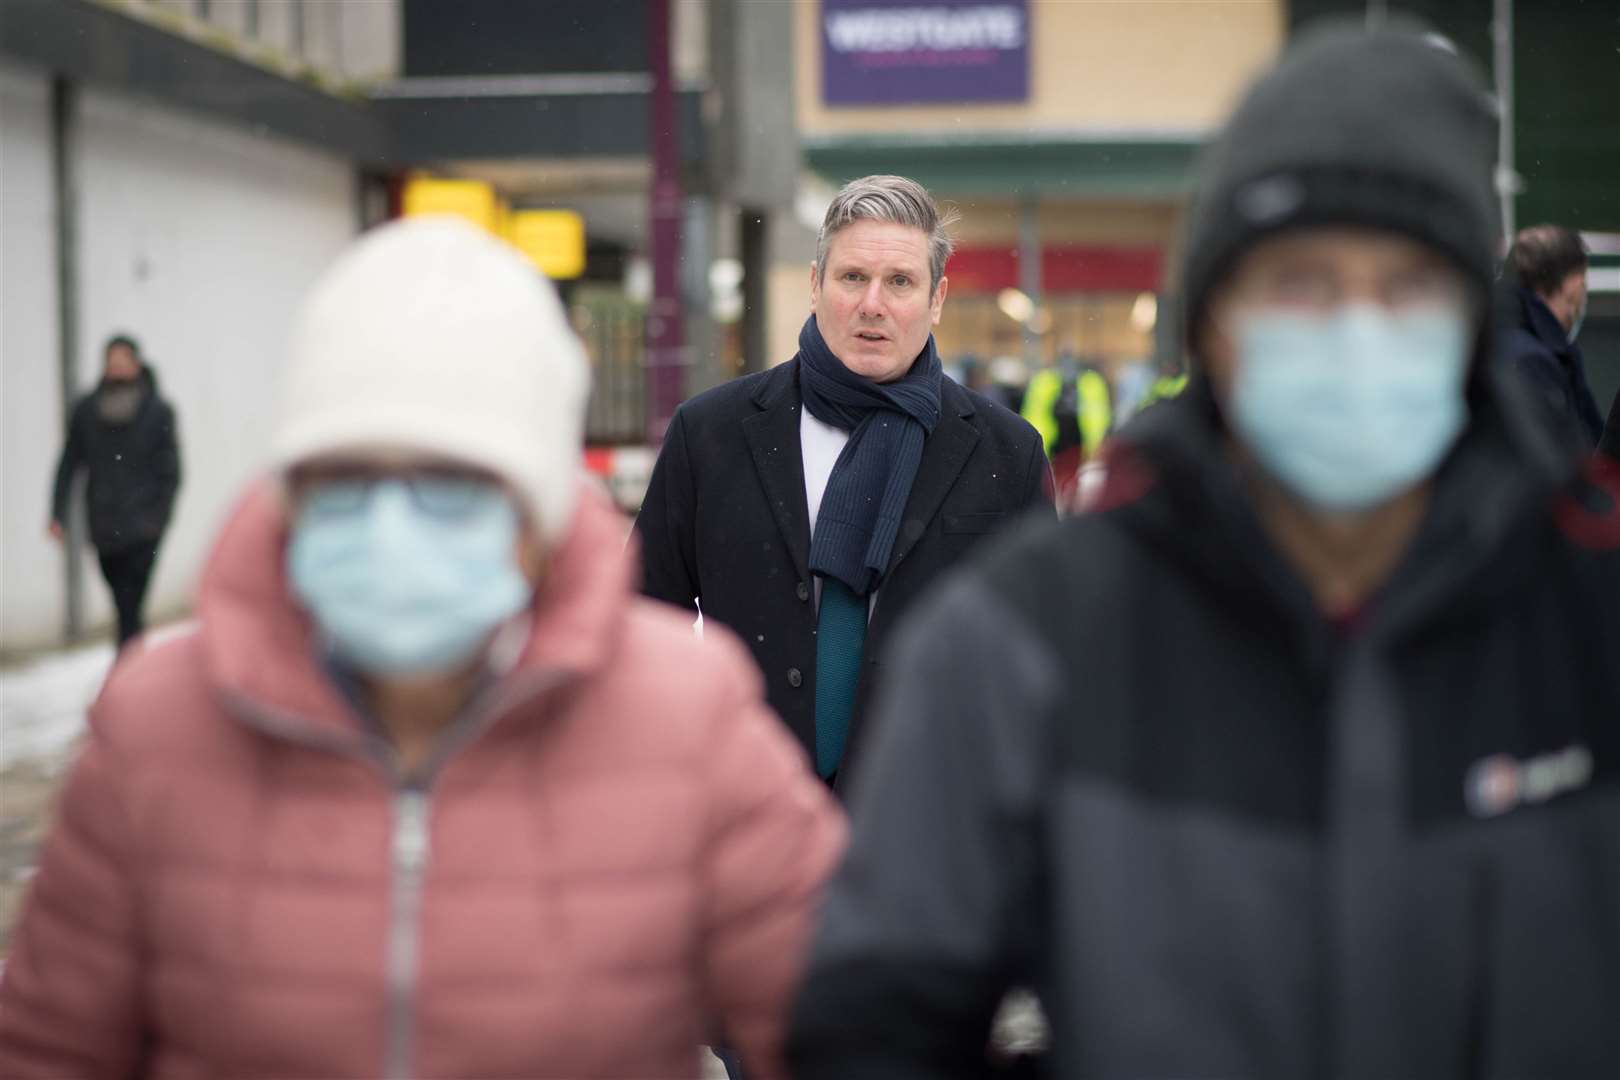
725, 524
133, 466
1535, 345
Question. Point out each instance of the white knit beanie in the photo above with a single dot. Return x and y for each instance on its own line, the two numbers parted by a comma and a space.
430, 336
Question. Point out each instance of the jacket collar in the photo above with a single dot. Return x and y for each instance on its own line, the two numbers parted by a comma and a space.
146, 381
772, 434
780, 386
261, 655
1536, 317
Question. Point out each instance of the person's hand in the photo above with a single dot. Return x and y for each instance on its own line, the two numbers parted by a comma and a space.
55, 531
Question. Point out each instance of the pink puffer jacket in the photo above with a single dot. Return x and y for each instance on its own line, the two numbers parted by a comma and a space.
620, 860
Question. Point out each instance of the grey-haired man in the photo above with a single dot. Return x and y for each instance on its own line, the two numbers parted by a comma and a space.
808, 507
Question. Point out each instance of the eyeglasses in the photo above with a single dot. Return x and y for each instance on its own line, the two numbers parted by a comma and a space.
1318, 290
449, 494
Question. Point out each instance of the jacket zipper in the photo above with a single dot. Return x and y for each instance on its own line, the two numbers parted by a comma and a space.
410, 842
410, 855
1366, 810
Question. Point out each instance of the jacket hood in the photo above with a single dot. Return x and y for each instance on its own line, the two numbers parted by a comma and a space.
260, 647
1172, 466
147, 378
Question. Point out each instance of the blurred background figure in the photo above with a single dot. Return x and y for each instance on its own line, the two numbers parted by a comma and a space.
429, 792
1171, 380
1302, 758
1167, 378
1546, 300
1131, 383
975, 373
1007, 379
1069, 403
122, 436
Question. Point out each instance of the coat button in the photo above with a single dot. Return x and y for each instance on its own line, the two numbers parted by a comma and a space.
795, 677
804, 592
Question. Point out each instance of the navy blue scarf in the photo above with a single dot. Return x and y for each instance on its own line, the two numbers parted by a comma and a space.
866, 494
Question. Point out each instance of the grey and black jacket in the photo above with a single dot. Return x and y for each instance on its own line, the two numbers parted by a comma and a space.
1223, 836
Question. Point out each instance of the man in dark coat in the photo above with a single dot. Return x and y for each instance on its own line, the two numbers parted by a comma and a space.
1542, 312
123, 435
809, 507
1305, 757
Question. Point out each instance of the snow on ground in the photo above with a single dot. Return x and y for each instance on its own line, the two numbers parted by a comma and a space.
43, 703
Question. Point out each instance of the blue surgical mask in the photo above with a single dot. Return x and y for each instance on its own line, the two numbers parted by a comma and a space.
407, 577
1350, 409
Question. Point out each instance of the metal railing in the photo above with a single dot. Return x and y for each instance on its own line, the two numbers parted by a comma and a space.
613, 329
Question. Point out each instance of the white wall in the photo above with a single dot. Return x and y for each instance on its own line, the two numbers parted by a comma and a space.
199, 240
322, 34
371, 40
31, 591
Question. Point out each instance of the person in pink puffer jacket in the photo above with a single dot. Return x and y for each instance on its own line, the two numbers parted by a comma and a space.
428, 792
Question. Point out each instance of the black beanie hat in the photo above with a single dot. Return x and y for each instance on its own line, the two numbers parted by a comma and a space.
1386, 128
126, 341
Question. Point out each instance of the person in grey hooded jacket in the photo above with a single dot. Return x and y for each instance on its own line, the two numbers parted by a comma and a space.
1305, 761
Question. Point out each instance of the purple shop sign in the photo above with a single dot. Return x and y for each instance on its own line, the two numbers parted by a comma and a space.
902, 52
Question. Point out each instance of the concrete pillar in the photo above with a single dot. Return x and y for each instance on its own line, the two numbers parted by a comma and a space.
754, 164
65, 176
754, 251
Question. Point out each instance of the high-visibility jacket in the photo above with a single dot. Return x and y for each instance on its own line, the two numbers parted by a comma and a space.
1164, 388
1095, 412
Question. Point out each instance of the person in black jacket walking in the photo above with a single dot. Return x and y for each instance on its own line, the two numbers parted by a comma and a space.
808, 507
123, 435
1545, 279
1305, 759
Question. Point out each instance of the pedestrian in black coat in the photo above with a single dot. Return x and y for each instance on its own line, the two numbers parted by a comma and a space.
916, 471
122, 434
1541, 311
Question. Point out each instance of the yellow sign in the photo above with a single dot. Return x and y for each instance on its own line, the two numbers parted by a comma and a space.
503, 219
471, 199
554, 240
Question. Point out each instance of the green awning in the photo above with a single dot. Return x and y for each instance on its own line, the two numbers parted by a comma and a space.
1136, 167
